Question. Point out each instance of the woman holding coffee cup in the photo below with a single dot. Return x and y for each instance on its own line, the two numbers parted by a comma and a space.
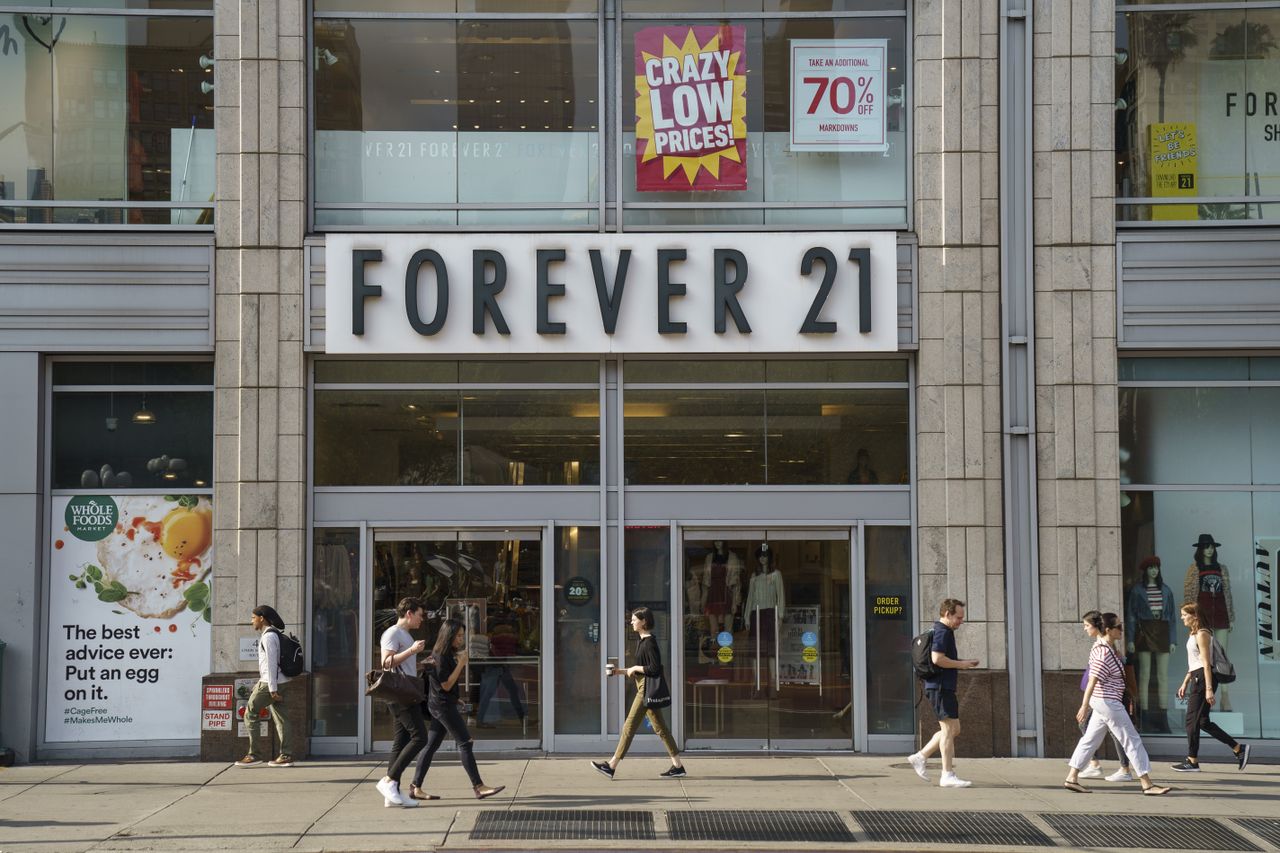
648, 665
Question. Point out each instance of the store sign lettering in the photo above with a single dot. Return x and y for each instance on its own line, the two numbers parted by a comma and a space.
596, 293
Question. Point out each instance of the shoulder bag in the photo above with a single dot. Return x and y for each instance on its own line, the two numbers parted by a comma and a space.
392, 685
657, 693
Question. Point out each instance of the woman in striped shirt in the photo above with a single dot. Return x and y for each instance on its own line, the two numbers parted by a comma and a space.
1103, 697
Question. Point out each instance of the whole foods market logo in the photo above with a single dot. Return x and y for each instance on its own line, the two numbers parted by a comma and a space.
92, 518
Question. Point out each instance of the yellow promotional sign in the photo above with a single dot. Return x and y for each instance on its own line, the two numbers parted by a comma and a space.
725, 654
1174, 154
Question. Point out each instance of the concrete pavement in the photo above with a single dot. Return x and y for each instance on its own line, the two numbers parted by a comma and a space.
331, 805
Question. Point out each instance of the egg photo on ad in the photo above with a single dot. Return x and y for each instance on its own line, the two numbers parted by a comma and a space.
129, 617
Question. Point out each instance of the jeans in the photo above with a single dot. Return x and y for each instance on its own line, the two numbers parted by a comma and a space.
632, 724
489, 681
1110, 714
261, 698
411, 737
1198, 717
446, 718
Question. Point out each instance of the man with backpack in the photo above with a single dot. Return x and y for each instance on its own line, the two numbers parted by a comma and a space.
272, 668
936, 661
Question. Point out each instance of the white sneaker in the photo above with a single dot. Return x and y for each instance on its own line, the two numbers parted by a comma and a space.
917, 762
1091, 772
951, 780
390, 791
1121, 775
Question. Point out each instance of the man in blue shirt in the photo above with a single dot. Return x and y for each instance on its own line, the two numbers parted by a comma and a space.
941, 692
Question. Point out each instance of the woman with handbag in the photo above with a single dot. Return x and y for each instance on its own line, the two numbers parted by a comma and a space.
400, 652
445, 666
1102, 696
652, 694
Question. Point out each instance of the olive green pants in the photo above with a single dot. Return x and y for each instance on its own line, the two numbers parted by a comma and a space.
632, 724
261, 698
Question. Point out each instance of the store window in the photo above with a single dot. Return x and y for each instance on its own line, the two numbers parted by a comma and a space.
791, 114
335, 633
478, 427
711, 424
578, 664
115, 111
1198, 515
1197, 117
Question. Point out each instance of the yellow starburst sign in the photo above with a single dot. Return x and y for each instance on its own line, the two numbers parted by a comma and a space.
691, 109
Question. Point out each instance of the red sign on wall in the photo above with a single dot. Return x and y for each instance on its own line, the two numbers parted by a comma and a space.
691, 109
217, 697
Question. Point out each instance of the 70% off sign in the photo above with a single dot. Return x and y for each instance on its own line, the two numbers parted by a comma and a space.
838, 94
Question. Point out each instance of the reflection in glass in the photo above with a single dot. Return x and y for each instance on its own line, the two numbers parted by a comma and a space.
494, 587
577, 660
890, 685
528, 438
384, 438
859, 438
686, 437
647, 584
1185, 435
335, 633
107, 108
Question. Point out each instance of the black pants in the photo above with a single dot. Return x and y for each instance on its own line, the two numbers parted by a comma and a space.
445, 718
1198, 717
411, 737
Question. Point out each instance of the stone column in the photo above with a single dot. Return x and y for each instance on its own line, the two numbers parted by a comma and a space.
259, 443
960, 515
1075, 328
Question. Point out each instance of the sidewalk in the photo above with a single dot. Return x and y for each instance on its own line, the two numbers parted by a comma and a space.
331, 805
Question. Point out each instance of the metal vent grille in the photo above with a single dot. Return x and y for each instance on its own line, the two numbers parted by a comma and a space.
722, 825
932, 828
1266, 828
563, 825
1145, 831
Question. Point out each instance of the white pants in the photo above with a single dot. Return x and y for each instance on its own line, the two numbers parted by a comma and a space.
1110, 714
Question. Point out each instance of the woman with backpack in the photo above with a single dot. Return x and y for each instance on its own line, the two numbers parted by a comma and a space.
267, 693
1102, 697
1197, 688
447, 662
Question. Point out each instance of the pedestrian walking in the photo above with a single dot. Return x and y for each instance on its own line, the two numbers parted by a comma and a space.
445, 666
941, 693
648, 668
1102, 697
1197, 688
268, 692
400, 651
1093, 628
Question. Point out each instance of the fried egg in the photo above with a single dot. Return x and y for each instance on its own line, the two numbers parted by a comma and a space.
157, 550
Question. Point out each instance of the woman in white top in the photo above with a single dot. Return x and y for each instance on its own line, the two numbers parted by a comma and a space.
1102, 696
1197, 689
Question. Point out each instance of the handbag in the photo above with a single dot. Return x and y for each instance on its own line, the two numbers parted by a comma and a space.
657, 694
392, 685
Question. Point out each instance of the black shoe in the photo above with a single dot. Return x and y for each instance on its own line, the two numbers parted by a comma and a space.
1242, 757
679, 772
1187, 767
603, 767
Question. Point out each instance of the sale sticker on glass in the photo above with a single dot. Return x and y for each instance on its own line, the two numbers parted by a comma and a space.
837, 94
691, 109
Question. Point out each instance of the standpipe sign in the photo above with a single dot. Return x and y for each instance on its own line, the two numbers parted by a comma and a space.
820, 292
691, 108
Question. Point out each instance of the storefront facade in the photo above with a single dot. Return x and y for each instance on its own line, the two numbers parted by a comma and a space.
784, 320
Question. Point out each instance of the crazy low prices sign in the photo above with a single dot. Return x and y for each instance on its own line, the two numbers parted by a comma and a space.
691, 109
837, 94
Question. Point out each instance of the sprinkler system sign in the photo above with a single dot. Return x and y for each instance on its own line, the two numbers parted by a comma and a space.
691, 109
837, 94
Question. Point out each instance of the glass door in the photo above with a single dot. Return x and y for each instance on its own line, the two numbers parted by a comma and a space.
492, 581
766, 637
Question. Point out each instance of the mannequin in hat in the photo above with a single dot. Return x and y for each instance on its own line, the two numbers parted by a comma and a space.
1149, 627
766, 597
1208, 585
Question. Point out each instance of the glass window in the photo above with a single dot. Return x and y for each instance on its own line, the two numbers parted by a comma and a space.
416, 117
133, 373
1196, 112
861, 438
647, 584
451, 372
335, 632
578, 663
531, 438
693, 437
889, 608
157, 440
110, 109
1184, 435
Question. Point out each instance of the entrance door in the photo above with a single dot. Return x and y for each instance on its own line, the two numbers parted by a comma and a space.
766, 636
492, 582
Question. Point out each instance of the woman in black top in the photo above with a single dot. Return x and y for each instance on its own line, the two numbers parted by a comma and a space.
648, 665
444, 667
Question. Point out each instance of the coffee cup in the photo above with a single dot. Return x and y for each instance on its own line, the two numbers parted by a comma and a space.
609, 668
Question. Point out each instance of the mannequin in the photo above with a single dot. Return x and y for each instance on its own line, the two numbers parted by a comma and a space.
1149, 627
721, 587
694, 597
1207, 583
862, 474
766, 598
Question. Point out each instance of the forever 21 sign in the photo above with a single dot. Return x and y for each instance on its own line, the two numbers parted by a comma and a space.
610, 293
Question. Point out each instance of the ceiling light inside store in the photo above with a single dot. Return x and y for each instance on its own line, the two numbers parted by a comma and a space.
199, 483
144, 415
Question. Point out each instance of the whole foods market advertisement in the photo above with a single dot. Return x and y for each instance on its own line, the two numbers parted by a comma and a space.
128, 637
